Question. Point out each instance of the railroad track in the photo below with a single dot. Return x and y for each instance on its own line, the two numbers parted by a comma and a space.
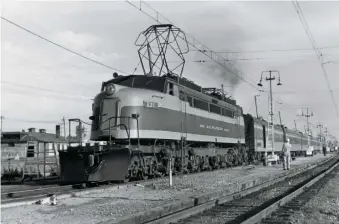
282, 213
20, 194
34, 194
272, 204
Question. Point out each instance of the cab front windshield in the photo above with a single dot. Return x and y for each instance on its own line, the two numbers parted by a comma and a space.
155, 83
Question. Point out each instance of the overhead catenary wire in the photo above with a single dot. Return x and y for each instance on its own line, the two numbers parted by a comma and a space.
302, 91
62, 47
251, 107
292, 107
301, 57
316, 49
277, 50
34, 94
32, 121
113, 68
42, 89
284, 106
221, 60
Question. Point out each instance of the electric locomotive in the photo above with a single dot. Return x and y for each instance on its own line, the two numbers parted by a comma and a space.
151, 122
148, 120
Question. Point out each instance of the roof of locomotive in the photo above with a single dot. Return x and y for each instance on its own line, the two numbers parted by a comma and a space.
157, 83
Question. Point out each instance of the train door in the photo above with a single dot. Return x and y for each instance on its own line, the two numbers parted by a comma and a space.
264, 135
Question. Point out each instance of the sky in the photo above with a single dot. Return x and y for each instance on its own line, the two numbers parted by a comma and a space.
42, 83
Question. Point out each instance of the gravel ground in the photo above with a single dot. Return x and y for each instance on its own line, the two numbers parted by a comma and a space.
324, 208
113, 203
231, 212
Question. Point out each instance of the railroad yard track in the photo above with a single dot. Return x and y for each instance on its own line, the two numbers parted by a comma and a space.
29, 196
271, 204
21, 194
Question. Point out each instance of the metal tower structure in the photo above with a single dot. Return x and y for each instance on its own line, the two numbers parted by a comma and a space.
256, 105
325, 137
159, 42
320, 126
308, 113
270, 134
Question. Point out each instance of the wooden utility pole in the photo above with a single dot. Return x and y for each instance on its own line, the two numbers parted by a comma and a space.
64, 122
320, 126
283, 128
326, 133
2, 118
256, 105
308, 114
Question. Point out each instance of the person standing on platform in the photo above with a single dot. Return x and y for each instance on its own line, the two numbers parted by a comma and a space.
286, 149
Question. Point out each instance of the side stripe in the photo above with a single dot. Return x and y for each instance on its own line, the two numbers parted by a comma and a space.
151, 134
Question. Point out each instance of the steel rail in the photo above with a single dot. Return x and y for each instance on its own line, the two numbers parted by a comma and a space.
19, 198
269, 210
197, 209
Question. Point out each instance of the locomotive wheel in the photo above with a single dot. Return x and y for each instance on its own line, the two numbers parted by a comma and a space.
143, 175
230, 158
189, 167
79, 186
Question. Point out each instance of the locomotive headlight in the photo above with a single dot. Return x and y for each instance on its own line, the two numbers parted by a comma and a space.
110, 89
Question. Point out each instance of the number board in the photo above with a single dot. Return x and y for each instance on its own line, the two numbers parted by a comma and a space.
150, 104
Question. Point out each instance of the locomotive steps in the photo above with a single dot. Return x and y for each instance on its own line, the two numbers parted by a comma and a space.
176, 211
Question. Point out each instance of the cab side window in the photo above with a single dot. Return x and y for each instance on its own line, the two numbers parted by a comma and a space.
172, 89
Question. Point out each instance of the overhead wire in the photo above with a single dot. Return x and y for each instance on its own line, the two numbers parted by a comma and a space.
251, 107
228, 66
261, 58
60, 46
32, 121
92, 59
287, 106
277, 50
34, 94
316, 49
302, 91
42, 89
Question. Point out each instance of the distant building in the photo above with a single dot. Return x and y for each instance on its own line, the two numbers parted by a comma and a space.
14, 144
31, 147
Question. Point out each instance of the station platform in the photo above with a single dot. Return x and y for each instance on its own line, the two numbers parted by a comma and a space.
116, 202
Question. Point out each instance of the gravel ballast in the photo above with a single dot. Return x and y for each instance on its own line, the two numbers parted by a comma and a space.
323, 208
112, 203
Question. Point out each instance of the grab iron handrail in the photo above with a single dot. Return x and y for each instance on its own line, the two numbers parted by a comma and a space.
128, 131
